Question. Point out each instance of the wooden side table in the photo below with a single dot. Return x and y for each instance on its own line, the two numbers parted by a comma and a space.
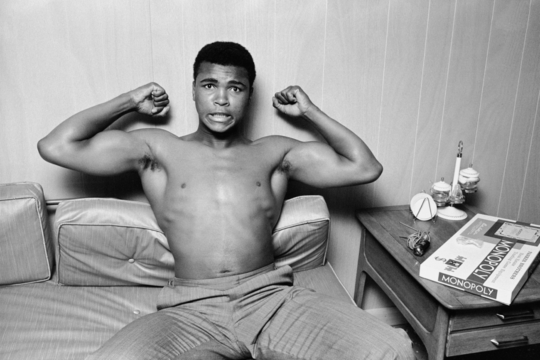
449, 322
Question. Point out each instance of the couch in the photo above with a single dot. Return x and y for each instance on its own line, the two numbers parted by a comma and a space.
68, 285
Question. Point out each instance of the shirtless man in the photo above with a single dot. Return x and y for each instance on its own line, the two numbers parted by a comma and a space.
217, 196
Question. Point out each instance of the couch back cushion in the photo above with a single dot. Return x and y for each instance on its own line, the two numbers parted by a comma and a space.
26, 253
110, 242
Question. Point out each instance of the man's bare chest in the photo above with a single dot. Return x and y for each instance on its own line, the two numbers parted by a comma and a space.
220, 172
239, 163
242, 183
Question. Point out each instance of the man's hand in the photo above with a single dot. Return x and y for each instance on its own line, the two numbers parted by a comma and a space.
292, 101
150, 99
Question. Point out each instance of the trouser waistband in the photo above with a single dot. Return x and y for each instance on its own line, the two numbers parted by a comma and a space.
224, 282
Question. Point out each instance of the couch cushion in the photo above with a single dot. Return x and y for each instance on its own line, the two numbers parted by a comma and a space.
25, 247
300, 237
108, 242
46, 321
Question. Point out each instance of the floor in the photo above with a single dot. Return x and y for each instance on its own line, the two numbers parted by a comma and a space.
528, 353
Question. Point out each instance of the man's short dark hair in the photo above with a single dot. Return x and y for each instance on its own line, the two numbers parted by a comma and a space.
226, 54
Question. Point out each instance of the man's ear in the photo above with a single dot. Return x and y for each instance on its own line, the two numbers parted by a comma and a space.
193, 90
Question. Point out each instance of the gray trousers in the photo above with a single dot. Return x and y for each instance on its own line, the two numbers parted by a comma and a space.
258, 315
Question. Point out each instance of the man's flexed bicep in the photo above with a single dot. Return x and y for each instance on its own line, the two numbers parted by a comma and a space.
82, 143
344, 160
106, 153
318, 164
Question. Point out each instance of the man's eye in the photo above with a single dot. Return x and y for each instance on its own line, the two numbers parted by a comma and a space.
208, 86
236, 89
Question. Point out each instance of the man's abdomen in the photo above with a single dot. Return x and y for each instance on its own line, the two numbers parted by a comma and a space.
217, 241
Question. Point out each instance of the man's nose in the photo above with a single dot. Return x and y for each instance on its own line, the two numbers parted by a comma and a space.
222, 98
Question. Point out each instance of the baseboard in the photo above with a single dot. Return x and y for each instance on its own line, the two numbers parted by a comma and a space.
389, 315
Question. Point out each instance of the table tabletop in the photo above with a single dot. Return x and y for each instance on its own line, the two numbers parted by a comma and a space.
385, 224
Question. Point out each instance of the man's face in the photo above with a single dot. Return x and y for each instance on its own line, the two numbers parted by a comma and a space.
221, 95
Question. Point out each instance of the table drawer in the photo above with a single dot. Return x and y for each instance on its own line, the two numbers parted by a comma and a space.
474, 319
495, 338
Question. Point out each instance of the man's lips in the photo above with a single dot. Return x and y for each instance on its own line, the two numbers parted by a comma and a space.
219, 117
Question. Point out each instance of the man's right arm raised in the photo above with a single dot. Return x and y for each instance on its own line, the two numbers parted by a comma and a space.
80, 142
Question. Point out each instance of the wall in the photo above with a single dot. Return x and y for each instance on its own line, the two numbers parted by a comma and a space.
411, 77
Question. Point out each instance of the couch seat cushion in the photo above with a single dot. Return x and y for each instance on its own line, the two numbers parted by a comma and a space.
47, 321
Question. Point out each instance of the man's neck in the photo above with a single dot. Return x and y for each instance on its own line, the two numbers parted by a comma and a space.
219, 140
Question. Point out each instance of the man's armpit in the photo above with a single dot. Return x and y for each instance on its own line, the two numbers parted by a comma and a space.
148, 162
285, 167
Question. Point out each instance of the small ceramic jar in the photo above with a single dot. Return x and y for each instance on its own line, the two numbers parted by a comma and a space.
440, 191
469, 179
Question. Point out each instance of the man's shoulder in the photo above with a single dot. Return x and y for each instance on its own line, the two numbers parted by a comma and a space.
276, 141
156, 137
158, 141
150, 133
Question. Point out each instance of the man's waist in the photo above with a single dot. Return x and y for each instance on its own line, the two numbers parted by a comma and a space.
222, 282
256, 284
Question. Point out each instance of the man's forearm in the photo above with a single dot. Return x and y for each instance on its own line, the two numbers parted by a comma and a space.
82, 126
91, 121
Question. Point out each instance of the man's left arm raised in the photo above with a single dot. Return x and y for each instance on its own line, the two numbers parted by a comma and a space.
345, 160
